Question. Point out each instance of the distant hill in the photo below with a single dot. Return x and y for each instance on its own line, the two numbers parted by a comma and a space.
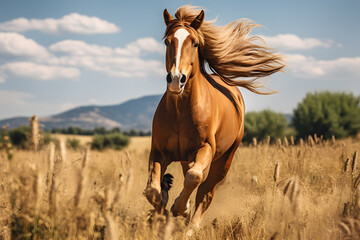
134, 114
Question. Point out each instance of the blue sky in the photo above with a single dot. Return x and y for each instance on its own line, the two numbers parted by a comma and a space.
56, 55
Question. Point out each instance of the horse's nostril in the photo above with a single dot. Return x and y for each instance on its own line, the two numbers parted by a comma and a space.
168, 78
183, 79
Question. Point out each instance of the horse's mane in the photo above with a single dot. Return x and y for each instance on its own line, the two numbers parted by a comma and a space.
231, 53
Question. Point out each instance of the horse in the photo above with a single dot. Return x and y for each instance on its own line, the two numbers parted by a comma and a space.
199, 121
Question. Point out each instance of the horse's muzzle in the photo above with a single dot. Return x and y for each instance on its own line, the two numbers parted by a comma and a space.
176, 83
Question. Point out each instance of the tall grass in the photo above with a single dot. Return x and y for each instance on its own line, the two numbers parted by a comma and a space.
305, 191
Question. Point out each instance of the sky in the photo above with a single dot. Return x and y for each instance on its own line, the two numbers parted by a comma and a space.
57, 55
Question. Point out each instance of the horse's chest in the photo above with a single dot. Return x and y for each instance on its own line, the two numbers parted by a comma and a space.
183, 144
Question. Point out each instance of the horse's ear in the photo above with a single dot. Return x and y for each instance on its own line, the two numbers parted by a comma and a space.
167, 17
196, 23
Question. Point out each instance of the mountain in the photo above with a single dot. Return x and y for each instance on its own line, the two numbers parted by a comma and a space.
134, 114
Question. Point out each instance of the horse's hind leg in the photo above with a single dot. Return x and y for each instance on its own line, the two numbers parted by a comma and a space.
205, 193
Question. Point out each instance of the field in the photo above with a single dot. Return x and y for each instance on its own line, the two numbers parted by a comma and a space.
280, 191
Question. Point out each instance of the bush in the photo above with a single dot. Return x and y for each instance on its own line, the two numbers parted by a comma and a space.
262, 124
328, 114
115, 141
73, 143
19, 136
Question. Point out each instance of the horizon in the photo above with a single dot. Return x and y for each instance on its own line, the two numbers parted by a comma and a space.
58, 56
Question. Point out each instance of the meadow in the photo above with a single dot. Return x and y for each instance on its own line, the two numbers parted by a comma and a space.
273, 191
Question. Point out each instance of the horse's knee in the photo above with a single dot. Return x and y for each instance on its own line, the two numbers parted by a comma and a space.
193, 178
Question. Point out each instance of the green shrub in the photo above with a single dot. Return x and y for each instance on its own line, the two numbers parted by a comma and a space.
73, 143
262, 124
19, 136
115, 141
327, 114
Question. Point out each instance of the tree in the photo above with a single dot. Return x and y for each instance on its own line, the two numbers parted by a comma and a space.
262, 124
115, 141
328, 114
19, 136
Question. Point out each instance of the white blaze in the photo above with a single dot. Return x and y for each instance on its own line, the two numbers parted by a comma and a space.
181, 35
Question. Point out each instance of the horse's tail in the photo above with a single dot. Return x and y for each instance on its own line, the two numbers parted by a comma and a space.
166, 184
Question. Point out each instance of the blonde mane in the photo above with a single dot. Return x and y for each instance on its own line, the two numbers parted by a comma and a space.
230, 52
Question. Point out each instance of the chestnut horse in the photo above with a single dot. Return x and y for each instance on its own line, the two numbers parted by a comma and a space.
199, 121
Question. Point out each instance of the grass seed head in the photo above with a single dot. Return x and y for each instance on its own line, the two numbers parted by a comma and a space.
63, 150
301, 142
51, 160
254, 142
268, 138
292, 140
286, 142
287, 186
34, 126
311, 141
355, 158
356, 182
354, 163
346, 164
276, 172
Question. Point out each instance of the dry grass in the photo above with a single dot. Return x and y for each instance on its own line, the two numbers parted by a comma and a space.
307, 191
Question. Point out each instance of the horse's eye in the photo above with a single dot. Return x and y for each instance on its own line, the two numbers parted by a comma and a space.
166, 42
196, 44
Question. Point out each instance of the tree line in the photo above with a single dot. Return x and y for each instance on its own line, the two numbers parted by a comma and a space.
99, 131
325, 114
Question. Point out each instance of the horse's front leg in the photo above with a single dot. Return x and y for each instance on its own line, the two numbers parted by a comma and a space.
157, 167
193, 178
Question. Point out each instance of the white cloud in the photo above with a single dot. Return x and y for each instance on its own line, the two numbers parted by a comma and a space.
293, 42
19, 103
118, 62
130, 51
76, 47
17, 45
2, 77
37, 71
141, 45
115, 66
309, 67
62, 59
149, 45
133, 49
14, 97
72, 23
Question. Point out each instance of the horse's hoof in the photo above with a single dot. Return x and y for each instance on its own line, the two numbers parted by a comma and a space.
187, 212
184, 213
153, 195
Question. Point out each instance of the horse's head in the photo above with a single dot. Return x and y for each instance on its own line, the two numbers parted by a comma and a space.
182, 41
